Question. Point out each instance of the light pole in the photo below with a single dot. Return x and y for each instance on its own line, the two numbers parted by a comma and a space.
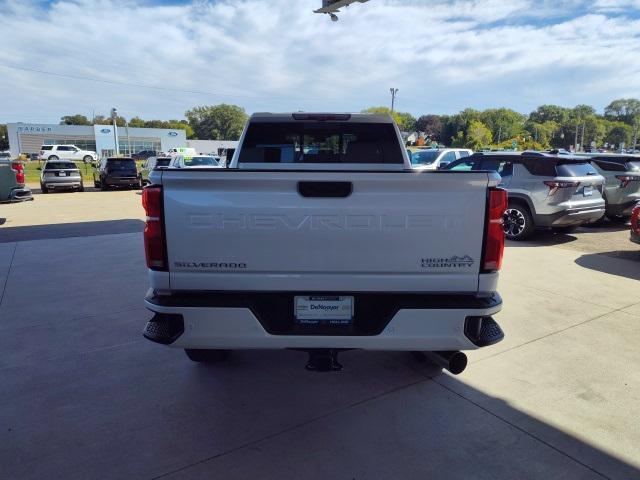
126, 126
393, 97
114, 116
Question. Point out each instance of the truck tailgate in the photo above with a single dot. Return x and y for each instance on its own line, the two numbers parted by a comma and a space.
240, 230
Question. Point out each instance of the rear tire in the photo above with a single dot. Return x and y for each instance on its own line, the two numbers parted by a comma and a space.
103, 186
87, 159
518, 222
206, 356
53, 157
44, 189
81, 187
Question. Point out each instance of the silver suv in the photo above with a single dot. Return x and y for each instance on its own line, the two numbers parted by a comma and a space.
545, 191
622, 186
60, 175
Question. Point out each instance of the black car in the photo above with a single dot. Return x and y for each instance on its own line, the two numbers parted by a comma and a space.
144, 154
116, 172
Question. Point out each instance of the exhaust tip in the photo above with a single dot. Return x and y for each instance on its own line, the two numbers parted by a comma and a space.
455, 362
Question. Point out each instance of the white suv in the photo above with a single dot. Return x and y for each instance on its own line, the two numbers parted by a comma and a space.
66, 152
436, 159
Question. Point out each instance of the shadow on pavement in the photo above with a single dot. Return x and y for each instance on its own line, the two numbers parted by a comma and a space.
603, 226
262, 415
601, 262
543, 238
65, 230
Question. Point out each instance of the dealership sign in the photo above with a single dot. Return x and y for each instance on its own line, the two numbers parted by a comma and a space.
105, 130
173, 134
30, 128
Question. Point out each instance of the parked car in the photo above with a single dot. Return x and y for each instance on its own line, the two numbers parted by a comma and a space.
622, 184
66, 152
434, 159
5, 155
186, 151
197, 161
283, 248
116, 172
144, 154
150, 164
12, 182
545, 190
635, 224
60, 175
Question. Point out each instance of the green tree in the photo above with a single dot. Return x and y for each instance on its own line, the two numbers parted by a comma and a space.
618, 133
102, 120
542, 133
476, 137
407, 122
4, 137
624, 110
456, 126
550, 113
217, 122
76, 119
504, 123
137, 122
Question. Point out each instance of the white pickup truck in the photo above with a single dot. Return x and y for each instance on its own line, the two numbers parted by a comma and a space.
320, 237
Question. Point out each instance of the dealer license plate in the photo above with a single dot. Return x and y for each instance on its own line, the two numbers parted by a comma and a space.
587, 191
324, 310
62, 174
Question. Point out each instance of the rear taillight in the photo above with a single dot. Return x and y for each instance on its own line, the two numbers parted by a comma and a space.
19, 169
554, 185
154, 242
494, 241
626, 179
635, 219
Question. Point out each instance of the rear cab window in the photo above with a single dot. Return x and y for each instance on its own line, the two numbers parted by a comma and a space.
308, 142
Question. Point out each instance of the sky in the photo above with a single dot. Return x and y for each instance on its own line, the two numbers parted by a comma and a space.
158, 58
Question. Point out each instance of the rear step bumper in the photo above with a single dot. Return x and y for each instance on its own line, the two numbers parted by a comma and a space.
398, 322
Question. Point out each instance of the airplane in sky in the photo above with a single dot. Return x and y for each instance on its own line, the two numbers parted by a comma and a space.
331, 7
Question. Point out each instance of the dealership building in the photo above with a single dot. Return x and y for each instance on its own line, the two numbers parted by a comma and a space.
102, 139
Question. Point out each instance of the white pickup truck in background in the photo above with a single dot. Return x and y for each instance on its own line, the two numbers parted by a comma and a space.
320, 237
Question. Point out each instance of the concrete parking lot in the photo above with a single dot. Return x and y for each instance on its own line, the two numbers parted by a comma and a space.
83, 395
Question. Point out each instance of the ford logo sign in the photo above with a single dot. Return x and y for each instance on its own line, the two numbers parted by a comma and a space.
173, 134
105, 130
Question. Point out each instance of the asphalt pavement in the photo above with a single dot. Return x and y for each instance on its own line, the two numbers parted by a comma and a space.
85, 396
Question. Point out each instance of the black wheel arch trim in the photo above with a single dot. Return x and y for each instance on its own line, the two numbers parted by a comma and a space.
523, 198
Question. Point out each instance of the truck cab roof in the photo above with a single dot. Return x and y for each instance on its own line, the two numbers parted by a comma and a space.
321, 117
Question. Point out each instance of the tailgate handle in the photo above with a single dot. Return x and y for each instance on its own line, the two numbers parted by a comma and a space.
325, 189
